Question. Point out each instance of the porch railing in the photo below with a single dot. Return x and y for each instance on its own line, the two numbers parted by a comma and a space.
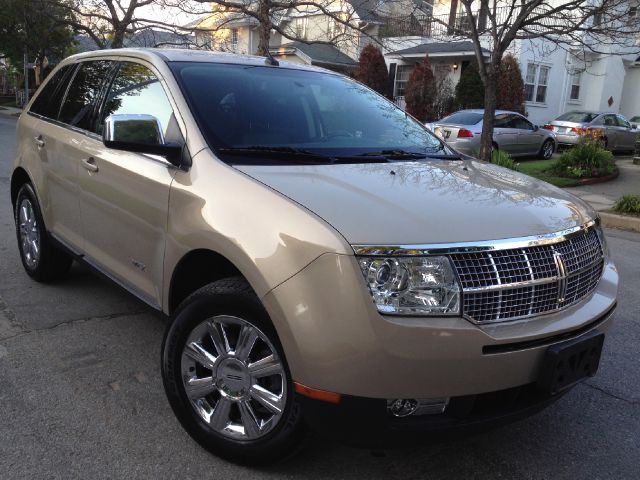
438, 26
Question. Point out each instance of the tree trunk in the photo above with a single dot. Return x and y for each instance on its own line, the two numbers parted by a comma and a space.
486, 140
264, 27
118, 37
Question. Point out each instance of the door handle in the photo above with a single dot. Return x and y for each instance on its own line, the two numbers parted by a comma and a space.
90, 164
39, 141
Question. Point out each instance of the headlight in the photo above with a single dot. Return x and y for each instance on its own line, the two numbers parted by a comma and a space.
412, 285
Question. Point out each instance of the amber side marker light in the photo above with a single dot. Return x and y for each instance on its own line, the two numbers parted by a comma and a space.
321, 395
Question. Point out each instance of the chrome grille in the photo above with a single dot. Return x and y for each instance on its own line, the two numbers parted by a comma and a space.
513, 283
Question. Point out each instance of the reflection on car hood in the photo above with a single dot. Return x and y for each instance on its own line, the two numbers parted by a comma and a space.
425, 202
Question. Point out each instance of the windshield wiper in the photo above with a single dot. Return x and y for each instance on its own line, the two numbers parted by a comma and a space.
301, 154
395, 155
445, 157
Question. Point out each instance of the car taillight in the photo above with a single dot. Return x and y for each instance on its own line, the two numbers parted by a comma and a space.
464, 133
546, 126
578, 131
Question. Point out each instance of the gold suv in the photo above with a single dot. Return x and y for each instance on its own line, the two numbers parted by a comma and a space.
325, 261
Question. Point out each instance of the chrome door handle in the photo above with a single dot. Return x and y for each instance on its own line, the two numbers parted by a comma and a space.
39, 141
90, 164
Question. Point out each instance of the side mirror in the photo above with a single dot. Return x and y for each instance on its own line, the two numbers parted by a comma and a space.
536, 128
141, 134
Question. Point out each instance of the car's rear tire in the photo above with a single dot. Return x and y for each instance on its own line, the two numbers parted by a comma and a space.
226, 377
546, 151
42, 259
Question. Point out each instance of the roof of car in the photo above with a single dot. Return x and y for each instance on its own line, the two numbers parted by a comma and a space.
187, 55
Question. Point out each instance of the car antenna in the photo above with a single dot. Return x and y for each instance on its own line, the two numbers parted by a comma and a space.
270, 60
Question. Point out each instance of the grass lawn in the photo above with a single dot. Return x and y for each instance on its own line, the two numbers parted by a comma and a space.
540, 169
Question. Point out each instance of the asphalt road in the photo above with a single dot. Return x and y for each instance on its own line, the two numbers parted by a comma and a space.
81, 395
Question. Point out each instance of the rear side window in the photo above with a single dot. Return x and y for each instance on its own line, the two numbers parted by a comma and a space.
502, 120
47, 103
136, 90
78, 107
519, 122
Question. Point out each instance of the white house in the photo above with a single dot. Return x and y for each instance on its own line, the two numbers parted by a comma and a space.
556, 79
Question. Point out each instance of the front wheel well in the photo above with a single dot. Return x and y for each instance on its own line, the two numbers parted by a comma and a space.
197, 269
18, 179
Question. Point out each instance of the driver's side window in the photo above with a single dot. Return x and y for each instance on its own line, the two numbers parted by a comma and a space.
137, 90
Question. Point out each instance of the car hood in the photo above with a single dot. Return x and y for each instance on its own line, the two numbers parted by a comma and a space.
425, 202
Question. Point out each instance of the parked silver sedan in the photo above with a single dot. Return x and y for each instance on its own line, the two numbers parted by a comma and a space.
617, 132
635, 122
512, 133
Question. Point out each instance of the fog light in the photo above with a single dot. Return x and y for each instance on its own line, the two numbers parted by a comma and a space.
403, 407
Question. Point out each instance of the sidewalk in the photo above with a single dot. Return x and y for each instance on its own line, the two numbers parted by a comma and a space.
11, 111
602, 196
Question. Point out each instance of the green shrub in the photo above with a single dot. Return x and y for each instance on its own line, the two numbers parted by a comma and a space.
503, 159
628, 204
585, 160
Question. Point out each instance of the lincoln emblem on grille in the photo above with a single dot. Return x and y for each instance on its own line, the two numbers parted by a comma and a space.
562, 275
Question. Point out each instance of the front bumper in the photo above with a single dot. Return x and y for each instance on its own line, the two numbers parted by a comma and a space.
365, 422
334, 339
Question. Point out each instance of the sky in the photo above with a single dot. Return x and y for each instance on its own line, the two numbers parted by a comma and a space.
169, 15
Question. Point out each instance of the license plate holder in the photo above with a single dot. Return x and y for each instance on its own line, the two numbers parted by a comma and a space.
566, 363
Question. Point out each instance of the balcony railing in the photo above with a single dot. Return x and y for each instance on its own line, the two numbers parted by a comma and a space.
438, 26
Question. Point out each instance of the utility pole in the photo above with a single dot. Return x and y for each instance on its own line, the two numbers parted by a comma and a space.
26, 79
26, 58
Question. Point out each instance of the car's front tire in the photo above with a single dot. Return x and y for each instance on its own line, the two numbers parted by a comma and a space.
546, 151
226, 377
41, 258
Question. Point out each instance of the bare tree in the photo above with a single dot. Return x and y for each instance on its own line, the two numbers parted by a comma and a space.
109, 22
591, 26
342, 21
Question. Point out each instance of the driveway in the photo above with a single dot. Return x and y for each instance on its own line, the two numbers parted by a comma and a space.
81, 395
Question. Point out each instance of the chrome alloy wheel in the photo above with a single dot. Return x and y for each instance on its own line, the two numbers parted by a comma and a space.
547, 150
234, 378
29, 233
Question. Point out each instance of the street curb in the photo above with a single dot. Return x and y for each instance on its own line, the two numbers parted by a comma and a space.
10, 112
593, 181
623, 222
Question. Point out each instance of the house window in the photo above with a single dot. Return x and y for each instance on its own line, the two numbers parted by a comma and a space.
575, 87
234, 38
301, 24
536, 81
402, 75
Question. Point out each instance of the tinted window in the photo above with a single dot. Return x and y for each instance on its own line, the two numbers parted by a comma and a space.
635, 119
136, 90
78, 107
623, 122
47, 102
520, 122
502, 120
463, 118
251, 105
579, 117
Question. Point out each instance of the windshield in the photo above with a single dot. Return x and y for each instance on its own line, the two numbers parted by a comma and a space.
241, 107
635, 119
579, 117
463, 118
